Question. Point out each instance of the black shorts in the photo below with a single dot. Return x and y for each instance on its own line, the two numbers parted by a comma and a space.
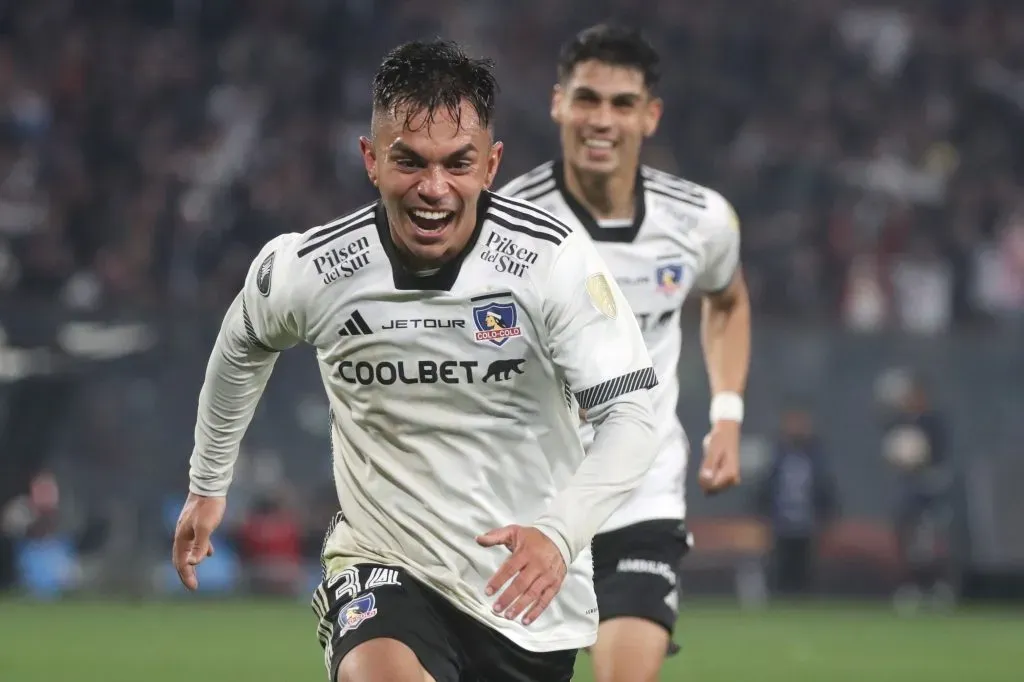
636, 571
368, 601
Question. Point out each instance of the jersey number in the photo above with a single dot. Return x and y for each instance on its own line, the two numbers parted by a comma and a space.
346, 585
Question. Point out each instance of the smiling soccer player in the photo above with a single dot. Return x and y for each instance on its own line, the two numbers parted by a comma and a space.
449, 325
663, 237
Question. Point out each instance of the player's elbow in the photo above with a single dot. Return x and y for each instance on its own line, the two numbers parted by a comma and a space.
628, 420
735, 297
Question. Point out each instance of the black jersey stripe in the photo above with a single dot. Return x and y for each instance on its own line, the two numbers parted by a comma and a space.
522, 229
540, 191
524, 221
668, 179
527, 212
669, 185
518, 184
613, 388
531, 185
681, 186
326, 228
341, 231
339, 223
675, 195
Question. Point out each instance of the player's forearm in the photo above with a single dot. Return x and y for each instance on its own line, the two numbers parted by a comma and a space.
623, 450
725, 337
236, 375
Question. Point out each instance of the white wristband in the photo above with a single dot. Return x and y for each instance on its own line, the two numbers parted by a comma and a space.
727, 406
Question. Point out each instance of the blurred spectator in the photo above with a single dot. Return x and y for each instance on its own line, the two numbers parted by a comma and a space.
872, 152
1000, 268
915, 443
270, 543
923, 289
798, 497
48, 549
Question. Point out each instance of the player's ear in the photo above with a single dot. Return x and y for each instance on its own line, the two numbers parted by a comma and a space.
493, 161
369, 158
653, 116
556, 103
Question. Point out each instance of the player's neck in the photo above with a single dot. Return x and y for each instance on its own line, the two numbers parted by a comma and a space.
606, 197
421, 266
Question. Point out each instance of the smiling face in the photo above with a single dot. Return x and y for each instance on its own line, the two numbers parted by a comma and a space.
430, 170
604, 112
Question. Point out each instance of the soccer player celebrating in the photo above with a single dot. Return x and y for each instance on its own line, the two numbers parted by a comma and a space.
662, 236
452, 328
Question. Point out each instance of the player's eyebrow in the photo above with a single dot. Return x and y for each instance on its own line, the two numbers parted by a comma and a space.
399, 147
619, 97
464, 150
626, 98
584, 91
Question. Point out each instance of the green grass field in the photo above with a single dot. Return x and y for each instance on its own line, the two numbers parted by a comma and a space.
269, 642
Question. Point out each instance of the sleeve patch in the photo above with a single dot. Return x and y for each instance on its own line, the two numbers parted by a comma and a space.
264, 273
601, 295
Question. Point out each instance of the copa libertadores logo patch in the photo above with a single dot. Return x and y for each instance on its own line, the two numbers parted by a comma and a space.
601, 296
263, 274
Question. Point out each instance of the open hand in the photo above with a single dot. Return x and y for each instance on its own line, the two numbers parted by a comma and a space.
199, 518
537, 566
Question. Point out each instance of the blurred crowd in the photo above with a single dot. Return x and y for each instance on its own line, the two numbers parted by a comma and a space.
872, 149
148, 148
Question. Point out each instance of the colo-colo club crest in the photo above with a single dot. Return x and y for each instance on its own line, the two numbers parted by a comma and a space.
496, 322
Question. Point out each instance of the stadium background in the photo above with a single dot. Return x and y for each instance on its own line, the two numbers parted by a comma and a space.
147, 148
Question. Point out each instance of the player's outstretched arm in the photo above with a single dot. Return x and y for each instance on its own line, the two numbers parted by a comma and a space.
725, 337
260, 322
597, 344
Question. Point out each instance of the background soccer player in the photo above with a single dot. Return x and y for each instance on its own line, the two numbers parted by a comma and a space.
449, 325
662, 236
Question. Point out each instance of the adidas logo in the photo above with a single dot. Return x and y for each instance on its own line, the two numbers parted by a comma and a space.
355, 326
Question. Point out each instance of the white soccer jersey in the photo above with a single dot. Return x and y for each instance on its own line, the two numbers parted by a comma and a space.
682, 236
448, 396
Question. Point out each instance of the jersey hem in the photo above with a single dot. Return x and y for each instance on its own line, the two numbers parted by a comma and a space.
633, 519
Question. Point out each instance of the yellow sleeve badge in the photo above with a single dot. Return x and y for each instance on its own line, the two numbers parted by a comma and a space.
601, 295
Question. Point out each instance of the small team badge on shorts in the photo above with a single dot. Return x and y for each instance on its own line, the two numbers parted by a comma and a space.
356, 611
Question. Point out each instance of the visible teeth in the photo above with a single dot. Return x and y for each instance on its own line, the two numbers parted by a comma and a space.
598, 144
431, 215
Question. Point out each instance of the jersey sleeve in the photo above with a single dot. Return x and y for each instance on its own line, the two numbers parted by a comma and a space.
595, 339
718, 233
271, 305
265, 317
596, 342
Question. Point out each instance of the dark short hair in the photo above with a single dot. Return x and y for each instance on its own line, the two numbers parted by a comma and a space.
613, 44
434, 76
